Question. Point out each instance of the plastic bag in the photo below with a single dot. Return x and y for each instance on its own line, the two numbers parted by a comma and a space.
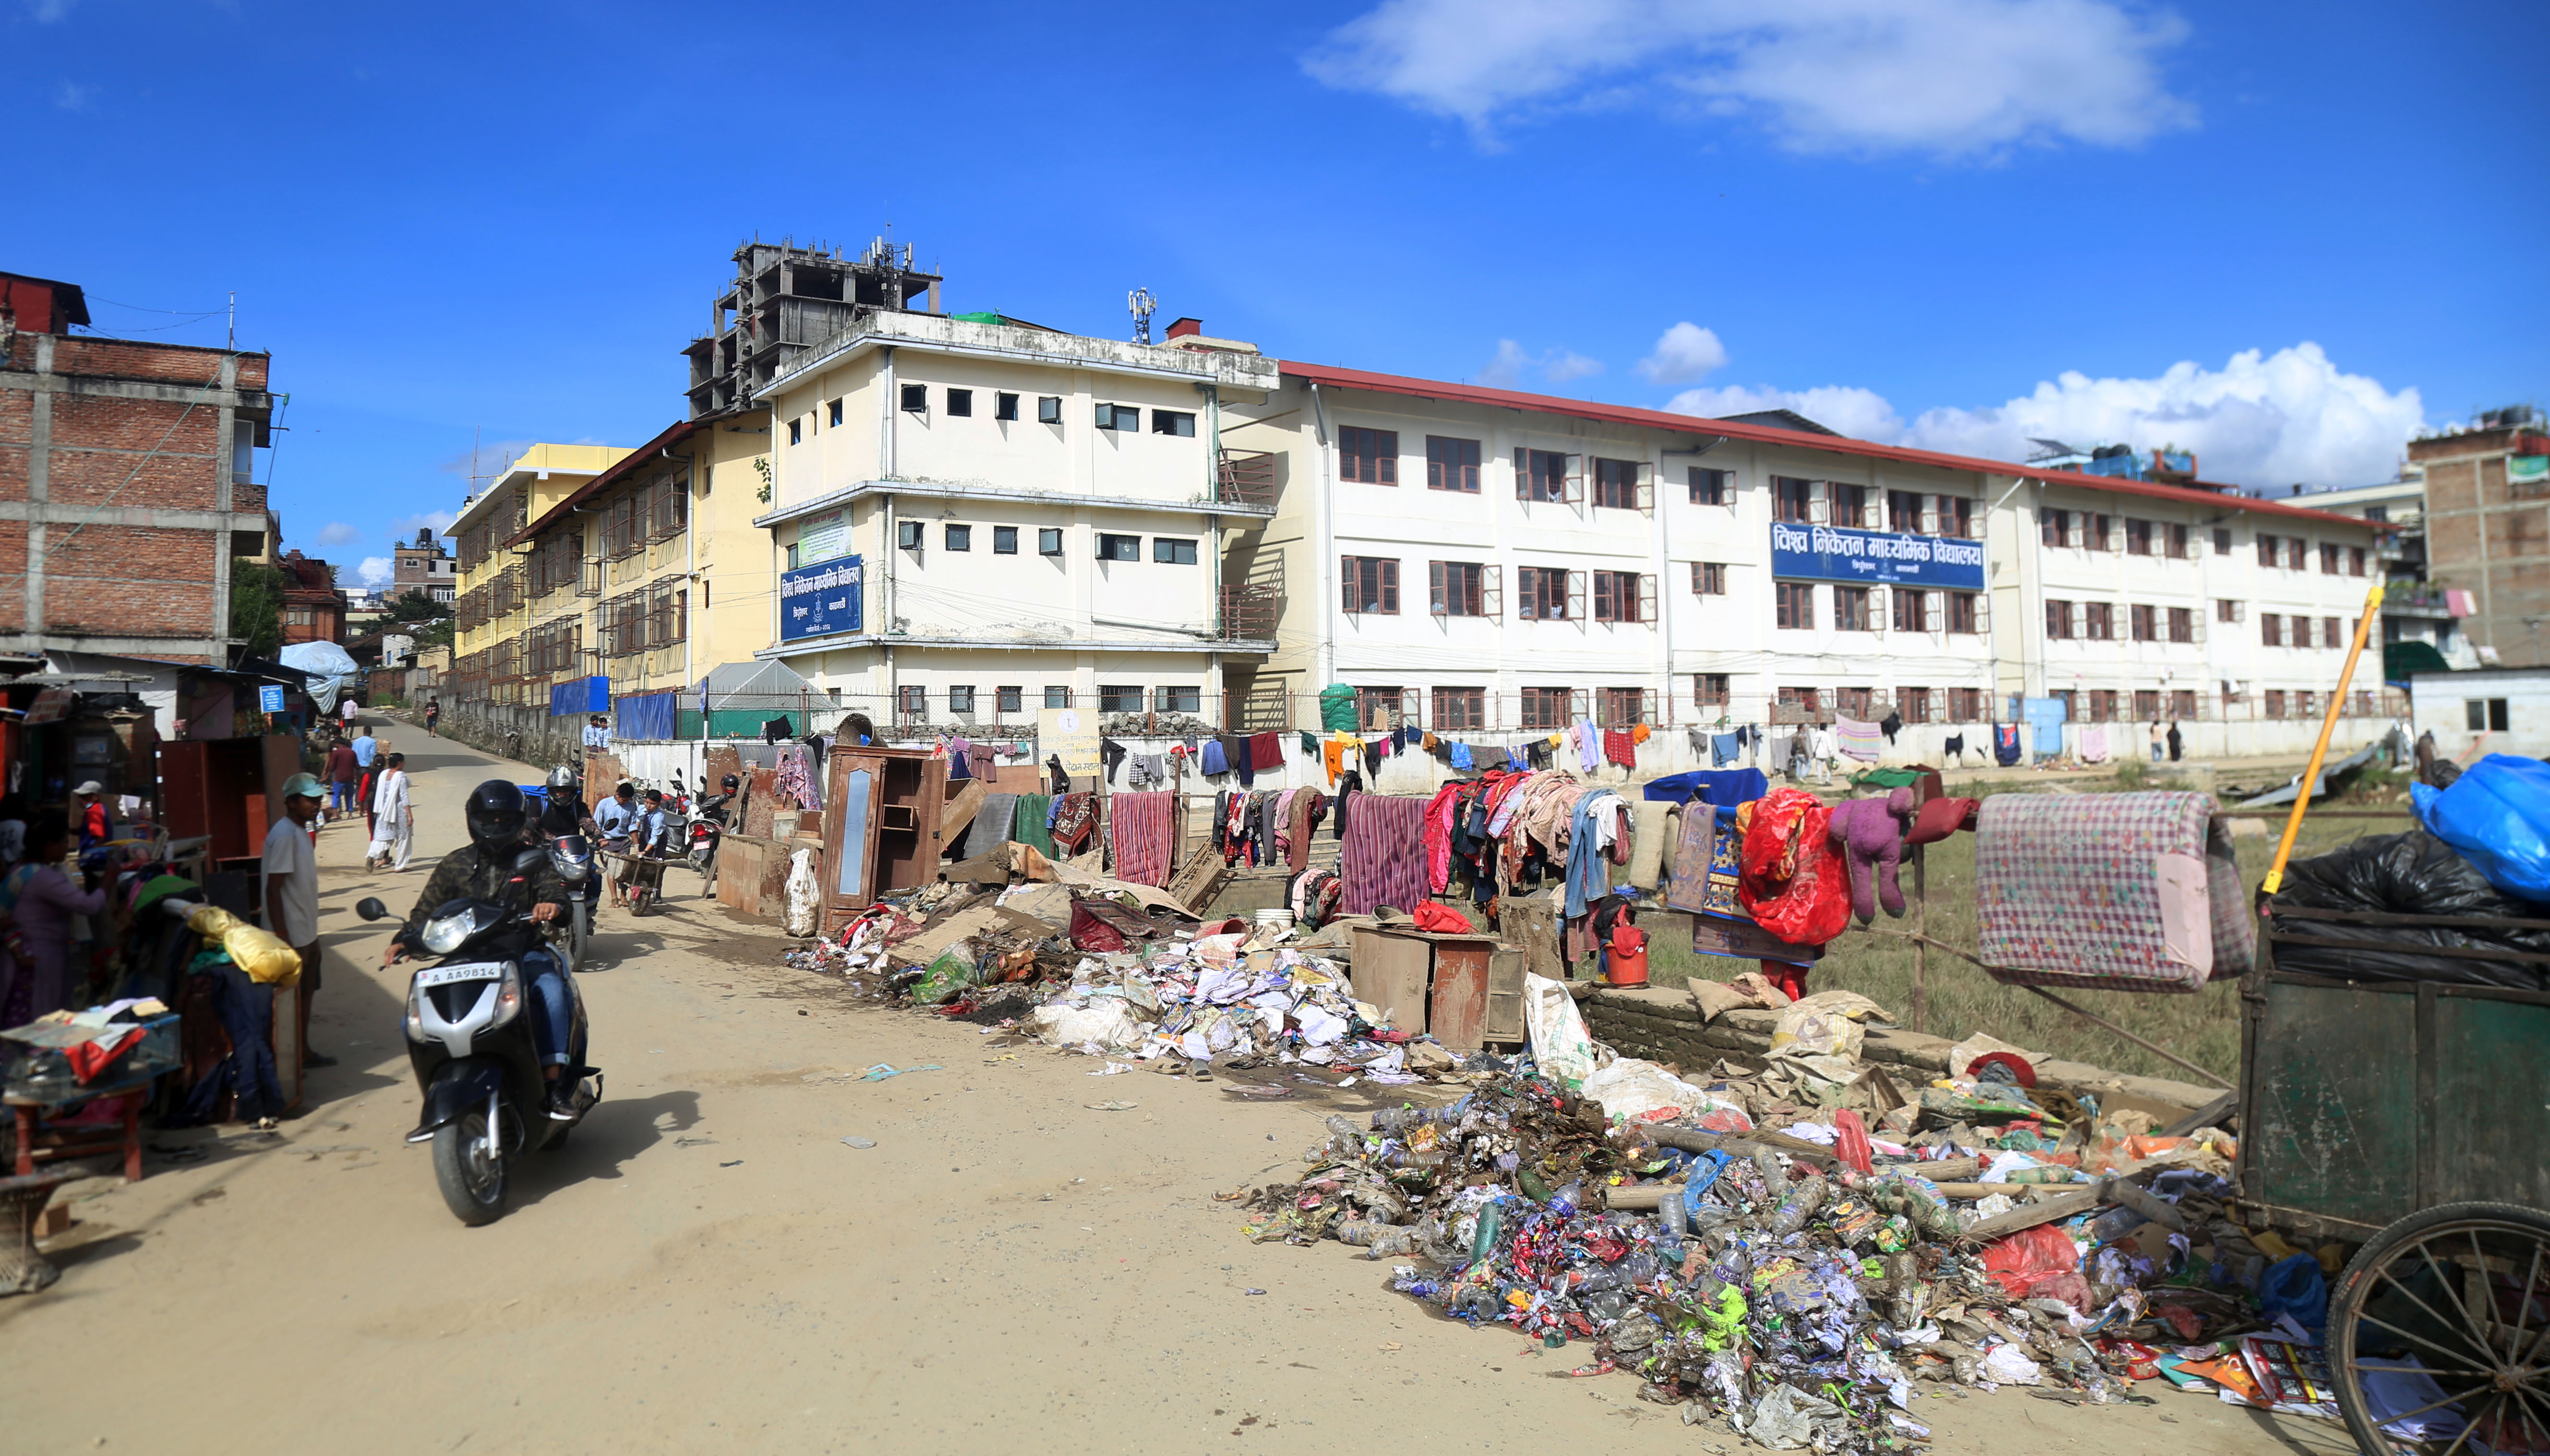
1642, 1091
2416, 873
1795, 883
261, 954
2498, 813
802, 894
2295, 1287
2039, 1263
948, 977
1559, 1043
1109, 1022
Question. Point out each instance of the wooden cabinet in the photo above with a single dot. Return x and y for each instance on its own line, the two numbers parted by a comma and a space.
226, 789
881, 826
1446, 985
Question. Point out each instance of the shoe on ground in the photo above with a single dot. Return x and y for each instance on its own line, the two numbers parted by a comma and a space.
317, 1060
562, 1102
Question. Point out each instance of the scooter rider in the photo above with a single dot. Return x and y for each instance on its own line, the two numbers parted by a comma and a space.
485, 869
565, 812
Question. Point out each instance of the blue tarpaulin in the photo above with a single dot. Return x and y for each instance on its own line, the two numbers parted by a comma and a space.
652, 718
582, 696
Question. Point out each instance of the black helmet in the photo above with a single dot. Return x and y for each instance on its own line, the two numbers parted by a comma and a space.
495, 814
729, 783
561, 777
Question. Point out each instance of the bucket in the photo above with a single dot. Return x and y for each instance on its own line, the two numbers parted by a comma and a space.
1279, 918
1626, 964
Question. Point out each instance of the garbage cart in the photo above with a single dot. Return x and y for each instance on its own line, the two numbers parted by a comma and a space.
2409, 1112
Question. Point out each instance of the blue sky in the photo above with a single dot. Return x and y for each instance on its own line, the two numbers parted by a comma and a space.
2284, 236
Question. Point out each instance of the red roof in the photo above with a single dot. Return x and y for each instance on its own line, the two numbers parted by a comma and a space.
635, 459
1514, 399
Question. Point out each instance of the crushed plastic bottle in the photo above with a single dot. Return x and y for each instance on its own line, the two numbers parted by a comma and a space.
1798, 1205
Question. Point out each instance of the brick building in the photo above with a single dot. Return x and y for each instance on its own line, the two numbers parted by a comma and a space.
314, 610
2487, 529
424, 567
126, 483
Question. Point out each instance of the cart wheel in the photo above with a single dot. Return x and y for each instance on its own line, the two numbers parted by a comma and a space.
2465, 1290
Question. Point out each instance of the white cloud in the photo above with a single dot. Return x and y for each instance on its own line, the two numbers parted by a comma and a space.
437, 522
72, 96
376, 571
339, 533
1861, 413
1946, 77
1683, 353
1566, 363
1511, 361
45, 12
2261, 421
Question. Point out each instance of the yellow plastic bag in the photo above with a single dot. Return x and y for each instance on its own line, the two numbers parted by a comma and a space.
261, 954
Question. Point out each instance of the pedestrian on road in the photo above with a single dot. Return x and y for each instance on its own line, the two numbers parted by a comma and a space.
432, 716
365, 747
88, 801
393, 817
343, 772
596, 735
292, 894
37, 902
350, 711
2159, 740
2174, 741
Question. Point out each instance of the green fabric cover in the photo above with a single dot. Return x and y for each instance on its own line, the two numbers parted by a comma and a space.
2400, 659
1029, 825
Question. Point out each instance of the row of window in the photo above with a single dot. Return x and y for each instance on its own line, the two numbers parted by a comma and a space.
913, 701
1813, 705
2096, 621
2296, 631
1793, 605
1859, 507
914, 399
1369, 586
1171, 550
2095, 532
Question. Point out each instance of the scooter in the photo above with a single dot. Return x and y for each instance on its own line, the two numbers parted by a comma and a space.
486, 1101
572, 856
706, 832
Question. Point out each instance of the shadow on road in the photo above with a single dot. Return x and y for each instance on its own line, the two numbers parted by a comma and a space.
609, 1135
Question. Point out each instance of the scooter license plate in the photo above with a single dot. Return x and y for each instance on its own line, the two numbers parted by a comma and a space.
474, 971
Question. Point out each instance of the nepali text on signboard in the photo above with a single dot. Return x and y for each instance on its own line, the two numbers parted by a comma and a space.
1884, 557
818, 601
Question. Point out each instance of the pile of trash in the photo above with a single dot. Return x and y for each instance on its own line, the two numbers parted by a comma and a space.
1800, 1285
1117, 971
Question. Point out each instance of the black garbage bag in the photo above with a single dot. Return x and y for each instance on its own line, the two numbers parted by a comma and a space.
2413, 873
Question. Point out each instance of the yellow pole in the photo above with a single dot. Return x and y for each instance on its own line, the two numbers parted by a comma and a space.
2319, 751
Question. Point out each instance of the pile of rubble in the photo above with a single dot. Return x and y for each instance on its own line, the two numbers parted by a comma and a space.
1114, 970
1798, 1284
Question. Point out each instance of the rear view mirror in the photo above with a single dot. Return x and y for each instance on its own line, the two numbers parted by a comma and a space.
370, 908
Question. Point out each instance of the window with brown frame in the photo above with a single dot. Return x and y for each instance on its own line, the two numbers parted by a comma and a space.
1793, 605
1957, 517
1801, 704
2182, 702
1710, 689
1371, 585
1546, 708
1849, 504
1914, 704
1711, 487
2099, 536
1909, 608
2176, 542
1850, 609
2355, 560
2328, 637
2054, 529
2144, 622
1854, 703
1378, 709
1548, 594
1792, 499
1965, 705
2275, 701
2058, 618
1452, 464
2103, 704
1708, 578
1369, 457
1456, 588
1621, 707
1617, 484
1964, 613
1904, 512
1623, 595
2099, 625
2182, 623
2296, 551
2271, 629
2146, 704
2329, 558
2266, 550
2139, 537
1458, 708
1541, 475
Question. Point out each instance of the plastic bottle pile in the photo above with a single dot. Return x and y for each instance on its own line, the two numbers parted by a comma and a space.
1796, 1298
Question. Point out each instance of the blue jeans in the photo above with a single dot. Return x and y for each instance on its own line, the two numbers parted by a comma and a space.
247, 1015
2155, 752
552, 1008
341, 796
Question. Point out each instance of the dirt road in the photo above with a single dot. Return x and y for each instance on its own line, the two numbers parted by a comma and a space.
707, 1267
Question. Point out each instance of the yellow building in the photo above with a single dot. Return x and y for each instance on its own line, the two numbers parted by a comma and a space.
493, 602
649, 572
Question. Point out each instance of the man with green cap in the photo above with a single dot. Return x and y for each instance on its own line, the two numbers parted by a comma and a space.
292, 892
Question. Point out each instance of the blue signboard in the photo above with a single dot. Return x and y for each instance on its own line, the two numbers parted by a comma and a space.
269, 699
819, 599
1883, 557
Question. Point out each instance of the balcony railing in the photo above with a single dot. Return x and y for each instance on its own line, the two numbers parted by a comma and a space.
1246, 477
1247, 612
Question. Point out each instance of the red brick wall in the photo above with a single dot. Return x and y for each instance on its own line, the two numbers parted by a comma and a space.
127, 581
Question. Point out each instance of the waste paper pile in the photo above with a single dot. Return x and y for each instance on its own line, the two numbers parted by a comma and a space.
1804, 1286
1119, 971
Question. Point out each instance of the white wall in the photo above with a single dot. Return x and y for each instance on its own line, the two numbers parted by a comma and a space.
2439, 704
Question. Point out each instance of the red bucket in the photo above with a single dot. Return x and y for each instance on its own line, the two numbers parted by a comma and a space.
1626, 965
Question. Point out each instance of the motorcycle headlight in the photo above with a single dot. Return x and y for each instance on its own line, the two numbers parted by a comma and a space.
415, 1021
444, 934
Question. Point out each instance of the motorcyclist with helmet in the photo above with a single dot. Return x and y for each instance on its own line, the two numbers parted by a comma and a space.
486, 868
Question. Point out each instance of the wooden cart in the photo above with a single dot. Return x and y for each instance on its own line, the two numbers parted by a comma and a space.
2413, 1116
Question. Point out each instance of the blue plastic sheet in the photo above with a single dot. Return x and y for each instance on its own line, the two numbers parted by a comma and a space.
651, 718
2498, 815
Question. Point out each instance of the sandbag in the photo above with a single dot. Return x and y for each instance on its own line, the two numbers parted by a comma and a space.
261, 954
2498, 814
2414, 873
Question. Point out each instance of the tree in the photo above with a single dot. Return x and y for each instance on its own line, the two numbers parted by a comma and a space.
430, 622
256, 607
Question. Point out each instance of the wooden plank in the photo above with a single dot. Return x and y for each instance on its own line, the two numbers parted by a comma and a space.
2052, 1211
1389, 972
1200, 879
1504, 1021
1457, 1012
963, 804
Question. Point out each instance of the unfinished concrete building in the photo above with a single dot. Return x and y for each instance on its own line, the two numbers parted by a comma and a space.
787, 299
2487, 528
